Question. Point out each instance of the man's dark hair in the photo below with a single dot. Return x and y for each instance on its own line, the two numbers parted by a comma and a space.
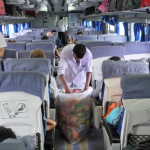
6, 133
79, 50
44, 37
115, 58
79, 33
53, 30
61, 17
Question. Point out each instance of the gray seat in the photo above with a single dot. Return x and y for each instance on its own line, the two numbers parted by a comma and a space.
136, 50
43, 46
136, 101
26, 54
9, 54
26, 37
90, 44
18, 46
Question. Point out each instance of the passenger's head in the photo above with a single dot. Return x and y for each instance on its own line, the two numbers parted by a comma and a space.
61, 17
6, 133
115, 58
37, 53
11, 41
79, 33
44, 37
49, 33
79, 51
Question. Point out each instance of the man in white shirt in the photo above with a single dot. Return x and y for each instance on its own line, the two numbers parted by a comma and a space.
75, 67
61, 30
2, 45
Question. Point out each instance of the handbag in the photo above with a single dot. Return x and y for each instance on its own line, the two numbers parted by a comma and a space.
2, 8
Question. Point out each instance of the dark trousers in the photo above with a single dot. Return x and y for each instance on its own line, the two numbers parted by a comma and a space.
63, 37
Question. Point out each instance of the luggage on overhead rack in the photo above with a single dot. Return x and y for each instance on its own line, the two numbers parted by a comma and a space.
145, 3
133, 4
121, 5
2, 8
112, 5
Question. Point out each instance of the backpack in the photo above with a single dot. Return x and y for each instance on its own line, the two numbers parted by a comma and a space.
2, 8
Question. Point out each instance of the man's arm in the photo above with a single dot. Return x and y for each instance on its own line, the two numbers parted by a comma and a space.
63, 81
88, 79
1, 52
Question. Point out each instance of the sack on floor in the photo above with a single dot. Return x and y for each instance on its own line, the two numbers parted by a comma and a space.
74, 114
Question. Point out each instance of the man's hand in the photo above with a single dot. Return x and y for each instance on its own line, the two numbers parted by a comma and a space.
68, 90
86, 88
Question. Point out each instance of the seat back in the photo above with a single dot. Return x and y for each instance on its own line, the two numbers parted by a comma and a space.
26, 54
23, 40
26, 37
85, 37
21, 96
43, 46
136, 101
41, 65
137, 50
16, 46
113, 70
118, 38
90, 44
101, 53
10, 54
42, 41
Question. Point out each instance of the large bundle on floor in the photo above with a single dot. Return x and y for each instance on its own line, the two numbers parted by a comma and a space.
74, 114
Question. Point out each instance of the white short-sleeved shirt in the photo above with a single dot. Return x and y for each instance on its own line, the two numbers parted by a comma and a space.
61, 25
75, 74
2, 41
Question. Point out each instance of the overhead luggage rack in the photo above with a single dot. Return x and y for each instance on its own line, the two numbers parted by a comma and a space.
15, 19
143, 13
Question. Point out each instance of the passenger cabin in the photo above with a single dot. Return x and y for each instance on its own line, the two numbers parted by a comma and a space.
43, 105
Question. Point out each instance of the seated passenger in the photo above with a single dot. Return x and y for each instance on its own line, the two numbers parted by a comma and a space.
37, 53
79, 33
49, 33
2, 45
11, 41
6, 133
44, 37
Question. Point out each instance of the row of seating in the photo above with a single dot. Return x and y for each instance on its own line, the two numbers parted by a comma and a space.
132, 88
19, 46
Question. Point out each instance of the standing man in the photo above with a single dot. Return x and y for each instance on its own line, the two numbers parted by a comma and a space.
61, 31
75, 67
2, 45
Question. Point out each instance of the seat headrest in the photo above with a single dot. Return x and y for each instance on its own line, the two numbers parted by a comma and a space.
42, 65
112, 68
29, 82
103, 51
135, 86
23, 143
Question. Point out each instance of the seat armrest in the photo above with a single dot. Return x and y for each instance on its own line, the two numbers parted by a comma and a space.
112, 133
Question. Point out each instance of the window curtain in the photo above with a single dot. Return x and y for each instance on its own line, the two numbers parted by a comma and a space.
137, 31
149, 32
29, 25
117, 28
93, 24
23, 26
7, 29
19, 28
1, 29
125, 24
143, 32
16, 28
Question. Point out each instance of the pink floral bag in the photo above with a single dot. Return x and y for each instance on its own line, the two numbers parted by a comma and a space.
104, 6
